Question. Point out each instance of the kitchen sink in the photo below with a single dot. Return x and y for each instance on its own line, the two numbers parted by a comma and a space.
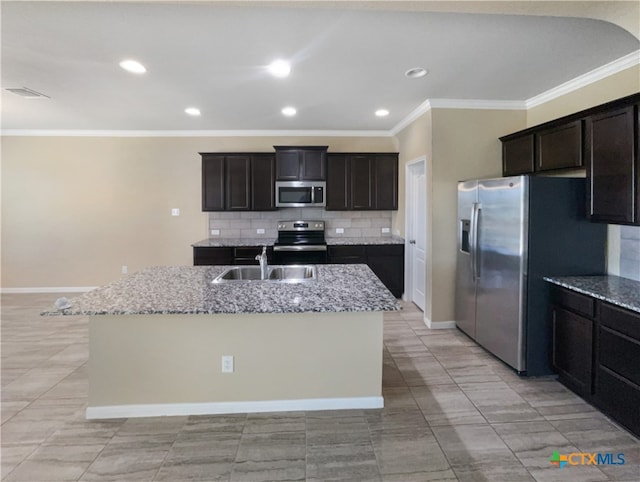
281, 274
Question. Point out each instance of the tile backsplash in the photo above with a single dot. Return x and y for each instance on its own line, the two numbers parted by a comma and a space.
630, 252
245, 224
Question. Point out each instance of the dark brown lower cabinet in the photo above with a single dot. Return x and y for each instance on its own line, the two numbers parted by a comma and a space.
597, 354
385, 260
618, 365
572, 349
211, 256
219, 256
247, 254
355, 254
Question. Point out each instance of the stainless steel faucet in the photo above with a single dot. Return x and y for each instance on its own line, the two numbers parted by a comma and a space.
262, 259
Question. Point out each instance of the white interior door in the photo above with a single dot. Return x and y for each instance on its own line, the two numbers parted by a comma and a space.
416, 231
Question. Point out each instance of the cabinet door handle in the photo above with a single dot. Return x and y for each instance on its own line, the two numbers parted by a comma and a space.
413, 241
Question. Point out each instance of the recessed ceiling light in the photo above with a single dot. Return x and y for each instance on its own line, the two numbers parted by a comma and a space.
289, 111
416, 73
279, 68
133, 66
192, 111
382, 112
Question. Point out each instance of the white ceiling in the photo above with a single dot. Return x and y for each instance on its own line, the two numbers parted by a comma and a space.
346, 63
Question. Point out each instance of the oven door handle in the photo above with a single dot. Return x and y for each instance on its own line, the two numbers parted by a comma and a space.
300, 248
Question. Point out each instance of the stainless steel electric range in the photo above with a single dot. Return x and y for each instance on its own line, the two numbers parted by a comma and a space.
300, 242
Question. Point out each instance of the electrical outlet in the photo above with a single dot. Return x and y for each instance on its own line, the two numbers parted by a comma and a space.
227, 363
215, 232
260, 231
175, 212
386, 230
339, 230
124, 269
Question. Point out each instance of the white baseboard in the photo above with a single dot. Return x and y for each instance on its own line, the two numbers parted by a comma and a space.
439, 325
54, 289
215, 408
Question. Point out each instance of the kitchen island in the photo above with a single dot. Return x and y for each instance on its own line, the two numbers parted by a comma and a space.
157, 338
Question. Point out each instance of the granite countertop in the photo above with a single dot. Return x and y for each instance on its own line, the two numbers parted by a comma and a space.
224, 242
189, 290
337, 241
613, 289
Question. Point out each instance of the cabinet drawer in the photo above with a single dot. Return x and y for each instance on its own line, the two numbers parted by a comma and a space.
247, 254
203, 256
346, 251
573, 301
621, 320
620, 354
386, 250
619, 399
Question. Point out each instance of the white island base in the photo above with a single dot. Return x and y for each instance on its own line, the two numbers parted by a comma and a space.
156, 365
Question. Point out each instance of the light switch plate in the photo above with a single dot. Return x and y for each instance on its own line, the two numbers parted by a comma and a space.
227, 363
260, 231
215, 232
175, 212
339, 230
386, 230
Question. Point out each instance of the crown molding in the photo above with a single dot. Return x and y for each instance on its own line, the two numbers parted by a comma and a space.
429, 104
199, 133
583, 80
415, 113
477, 104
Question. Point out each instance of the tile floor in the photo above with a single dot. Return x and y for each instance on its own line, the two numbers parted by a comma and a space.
452, 412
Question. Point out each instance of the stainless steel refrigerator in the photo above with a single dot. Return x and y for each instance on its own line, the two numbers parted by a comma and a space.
512, 232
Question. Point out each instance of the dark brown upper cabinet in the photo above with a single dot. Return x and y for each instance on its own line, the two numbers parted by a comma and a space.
263, 173
559, 147
385, 185
604, 139
238, 182
337, 182
564, 143
612, 166
213, 182
517, 155
300, 163
362, 182
367, 181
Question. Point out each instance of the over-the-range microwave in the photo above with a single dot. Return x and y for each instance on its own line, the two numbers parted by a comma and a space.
300, 194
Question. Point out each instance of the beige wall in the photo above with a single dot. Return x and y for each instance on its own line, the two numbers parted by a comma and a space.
458, 144
465, 146
75, 209
167, 359
413, 142
610, 88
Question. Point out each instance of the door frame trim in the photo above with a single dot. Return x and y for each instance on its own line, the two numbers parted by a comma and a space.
408, 268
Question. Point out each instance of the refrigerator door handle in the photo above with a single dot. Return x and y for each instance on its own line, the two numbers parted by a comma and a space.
473, 237
476, 244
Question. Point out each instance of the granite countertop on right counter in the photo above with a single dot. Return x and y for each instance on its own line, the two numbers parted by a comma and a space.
618, 291
340, 241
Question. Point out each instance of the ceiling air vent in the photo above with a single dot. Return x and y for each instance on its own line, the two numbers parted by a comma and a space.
28, 93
